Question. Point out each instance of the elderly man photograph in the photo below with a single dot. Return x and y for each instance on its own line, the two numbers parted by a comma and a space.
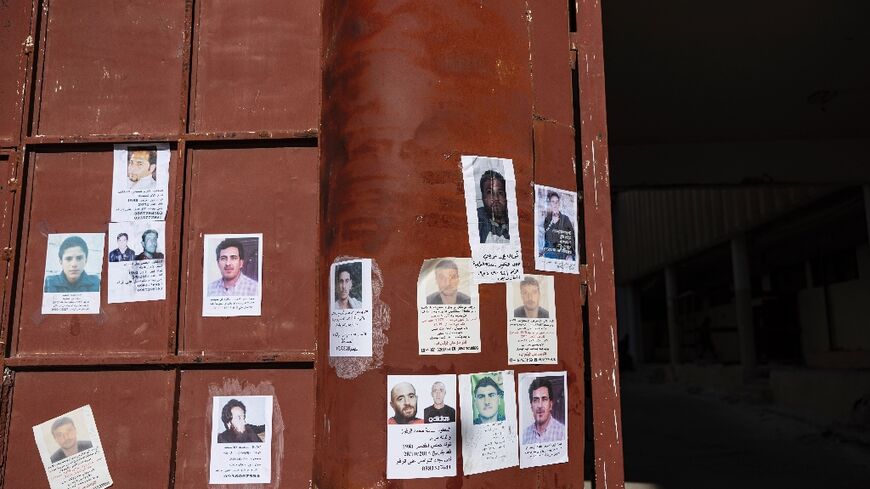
492, 218
530, 292
141, 167
545, 428
64, 432
403, 400
149, 246
73, 256
439, 412
230, 255
487, 399
447, 278
122, 252
234, 417
344, 287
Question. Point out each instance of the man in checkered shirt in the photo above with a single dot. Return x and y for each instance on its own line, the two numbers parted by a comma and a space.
231, 261
546, 428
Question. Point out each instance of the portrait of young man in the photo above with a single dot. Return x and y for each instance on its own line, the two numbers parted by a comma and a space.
149, 246
492, 217
73, 256
447, 279
122, 252
142, 167
545, 428
230, 257
346, 286
530, 292
488, 398
234, 416
65, 434
558, 230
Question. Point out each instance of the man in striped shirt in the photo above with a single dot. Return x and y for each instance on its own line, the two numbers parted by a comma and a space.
546, 428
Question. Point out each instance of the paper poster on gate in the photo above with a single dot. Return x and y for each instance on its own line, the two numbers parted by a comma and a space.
491, 211
556, 236
137, 269
488, 408
73, 273
71, 452
531, 313
350, 308
241, 440
448, 308
232, 275
421, 426
543, 407
140, 182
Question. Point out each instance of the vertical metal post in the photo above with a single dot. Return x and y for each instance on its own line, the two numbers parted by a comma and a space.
603, 354
743, 302
866, 188
674, 336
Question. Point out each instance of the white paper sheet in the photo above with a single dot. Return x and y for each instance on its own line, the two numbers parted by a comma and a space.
444, 329
72, 278
532, 340
350, 308
543, 419
229, 289
421, 426
137, 274
241, 440
489, 421
556, 236
71, 452
495, 247
140, 191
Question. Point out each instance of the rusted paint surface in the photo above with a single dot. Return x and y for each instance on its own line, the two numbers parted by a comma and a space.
292, 423
15, 16
256, 65
266, 190
111, 68
409, 86
604, 364
71, 192
132, 410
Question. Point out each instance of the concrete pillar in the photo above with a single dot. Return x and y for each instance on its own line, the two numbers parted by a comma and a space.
743, 300
674, 336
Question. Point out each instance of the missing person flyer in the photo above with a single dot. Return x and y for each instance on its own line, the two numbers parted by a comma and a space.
448, 308
232, 275
543, 407
73, 272
531, 312
488, 406
491, 211
421, 426
241, 440
137, 270
140, 182
350, 308
71, 452
556, 236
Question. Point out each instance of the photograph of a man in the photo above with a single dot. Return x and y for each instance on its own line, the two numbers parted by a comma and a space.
492, 218
545, 428
346, 286
230, 257
403, 400
447, 278
142, 167
488, 401
439, 412
234, 418
558, 230
73, 256
530, 292
122, 252
66, 436
149, 246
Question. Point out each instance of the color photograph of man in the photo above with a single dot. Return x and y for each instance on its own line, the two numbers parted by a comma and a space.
73, 256
545, 428
149, 246
492, 218
344, 285
530, 291
488, 397
439, 412
447, 279
230, 256
65, 435
122, 252
403, 400
234, 417
141, 167
558, 230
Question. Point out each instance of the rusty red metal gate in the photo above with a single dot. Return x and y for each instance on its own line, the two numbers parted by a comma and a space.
235, 89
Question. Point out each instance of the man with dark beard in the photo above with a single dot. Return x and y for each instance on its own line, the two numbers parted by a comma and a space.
403, 400
234, 417
492, 218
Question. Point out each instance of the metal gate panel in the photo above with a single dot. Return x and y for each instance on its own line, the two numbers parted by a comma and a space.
256, 66
71, 192
133, 412
14, 28
269, 190
292, 418
110, 67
